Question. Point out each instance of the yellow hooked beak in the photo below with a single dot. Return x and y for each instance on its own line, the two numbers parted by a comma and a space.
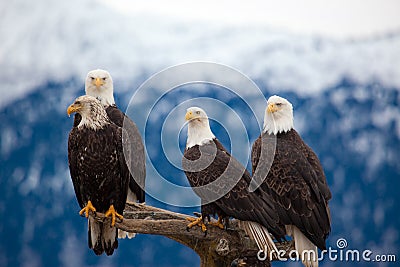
189, 116
272, 108
98, 82
73, 108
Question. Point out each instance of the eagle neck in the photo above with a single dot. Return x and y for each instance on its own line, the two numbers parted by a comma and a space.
275, 123
95, 120
199, 133
105, 96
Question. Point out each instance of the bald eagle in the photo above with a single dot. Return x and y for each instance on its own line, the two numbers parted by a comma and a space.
222, 184
98, 169
99, 84
294, 179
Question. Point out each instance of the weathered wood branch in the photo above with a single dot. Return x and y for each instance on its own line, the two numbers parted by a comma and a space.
229, 247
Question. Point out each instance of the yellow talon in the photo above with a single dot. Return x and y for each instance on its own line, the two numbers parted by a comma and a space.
218, 223
111, 211
203, 228
89, 207
196, 221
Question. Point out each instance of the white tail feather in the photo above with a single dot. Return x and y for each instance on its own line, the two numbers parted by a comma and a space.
108, 238
260, 235
122, 234
131, 197
308, 252
95, 231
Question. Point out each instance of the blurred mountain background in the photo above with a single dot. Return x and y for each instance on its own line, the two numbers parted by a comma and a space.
344, 85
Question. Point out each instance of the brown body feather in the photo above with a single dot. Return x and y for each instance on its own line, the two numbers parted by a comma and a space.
99, 173
224, 172
296, 182
137, 164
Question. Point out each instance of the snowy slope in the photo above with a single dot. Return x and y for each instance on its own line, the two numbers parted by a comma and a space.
59, 40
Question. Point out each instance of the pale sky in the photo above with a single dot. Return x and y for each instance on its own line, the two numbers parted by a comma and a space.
338, 18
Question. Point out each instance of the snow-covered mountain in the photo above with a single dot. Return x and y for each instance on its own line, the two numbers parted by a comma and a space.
58, 40
346, 96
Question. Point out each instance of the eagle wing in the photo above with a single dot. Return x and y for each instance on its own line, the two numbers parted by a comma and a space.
73, 166
133, 142
316, 164
123, 183
255, 154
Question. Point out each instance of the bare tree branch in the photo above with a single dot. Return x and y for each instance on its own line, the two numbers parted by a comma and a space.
230, 247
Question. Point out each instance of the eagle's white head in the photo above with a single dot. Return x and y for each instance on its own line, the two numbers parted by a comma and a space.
99, 84
278, 116
199, 131
93, 114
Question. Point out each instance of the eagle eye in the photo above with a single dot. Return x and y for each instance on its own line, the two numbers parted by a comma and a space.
104, 78
197, 112
78, 102
279, 104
